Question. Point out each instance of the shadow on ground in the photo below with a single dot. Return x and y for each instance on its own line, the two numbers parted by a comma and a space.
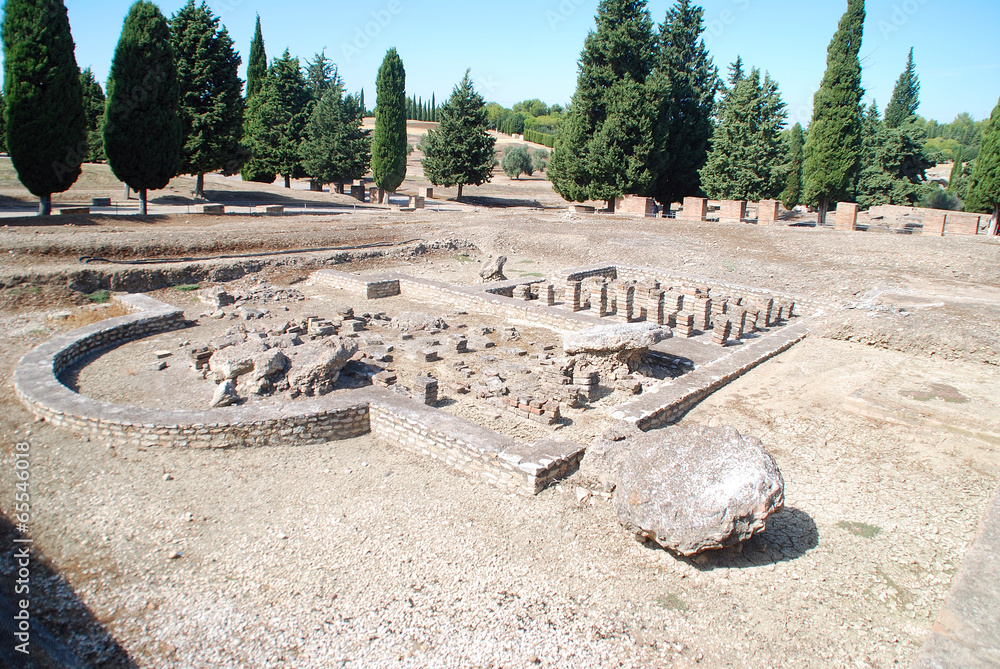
789, 535
64, 633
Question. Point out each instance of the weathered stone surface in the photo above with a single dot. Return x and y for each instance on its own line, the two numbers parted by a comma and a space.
413, 320
269, 364
215, 297
615, 338
316, 368
225, 395
492, 270
233, 362
692, 489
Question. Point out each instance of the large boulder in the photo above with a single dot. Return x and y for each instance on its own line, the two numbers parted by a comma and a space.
623, 337
693, 489
316, 369
234, 361
492, 270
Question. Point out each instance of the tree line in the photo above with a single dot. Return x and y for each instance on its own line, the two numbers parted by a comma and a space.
651, 116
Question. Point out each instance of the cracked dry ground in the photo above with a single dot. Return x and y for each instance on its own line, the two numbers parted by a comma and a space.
354, 554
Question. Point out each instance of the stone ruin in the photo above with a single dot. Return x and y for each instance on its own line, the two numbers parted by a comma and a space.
635, 345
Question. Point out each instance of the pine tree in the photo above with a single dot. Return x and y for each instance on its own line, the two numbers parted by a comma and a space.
292, 106
389, 140
617, 59
93, 105
45, 119
460, 152
833, 147
142, 135
874, 182
211, 93
335, 148
260, 134
688, 81
746, 161
257, 65
321, 74
791, 197
984, 185
905, 97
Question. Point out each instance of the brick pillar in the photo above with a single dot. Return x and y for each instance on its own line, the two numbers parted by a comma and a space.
695, 208
733, 211
574, 295
655, 310
547, 294
846, 217
625, 301
767, 212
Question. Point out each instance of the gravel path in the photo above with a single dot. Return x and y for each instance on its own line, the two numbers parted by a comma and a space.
354, 554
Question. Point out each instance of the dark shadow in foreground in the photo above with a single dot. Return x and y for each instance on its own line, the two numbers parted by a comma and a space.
64, 633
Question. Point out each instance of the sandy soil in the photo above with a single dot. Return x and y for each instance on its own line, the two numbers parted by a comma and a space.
354, 554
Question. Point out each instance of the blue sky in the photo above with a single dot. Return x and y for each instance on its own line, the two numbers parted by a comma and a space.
523, 49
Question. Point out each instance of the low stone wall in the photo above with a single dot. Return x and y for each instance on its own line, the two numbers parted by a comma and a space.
343, 415
669, 403
469, 448
371, 287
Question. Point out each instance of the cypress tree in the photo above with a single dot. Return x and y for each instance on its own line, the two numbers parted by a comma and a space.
211, 93
460, 151
833, 146
984, 185
257, 65
434, 109
254, 122
791, 197
362, 105
389, 140
93, 105
957, 170
592, 162
45, 120
142, 135
905, 97
686, 81
335, 149
746, 161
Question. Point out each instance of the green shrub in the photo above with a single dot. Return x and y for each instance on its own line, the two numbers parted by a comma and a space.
188, 287
516, 162
100, 297
539, 159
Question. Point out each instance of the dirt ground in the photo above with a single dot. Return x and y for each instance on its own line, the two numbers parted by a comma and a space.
354, 554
